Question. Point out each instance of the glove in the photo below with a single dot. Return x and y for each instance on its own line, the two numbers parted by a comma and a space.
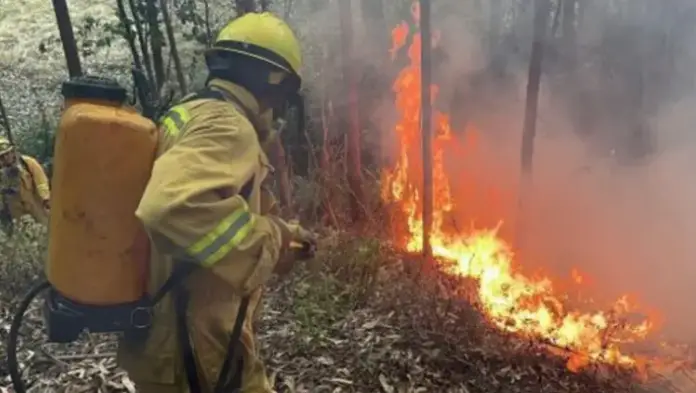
303, 243
299, 244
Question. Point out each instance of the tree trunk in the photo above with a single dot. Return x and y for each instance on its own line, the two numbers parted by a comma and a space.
67, 37
208, 29
172, 47
244, 6
541, 15
265, 5
542, 8
136, 7
156, 44
426, 126
351, 115
123, 17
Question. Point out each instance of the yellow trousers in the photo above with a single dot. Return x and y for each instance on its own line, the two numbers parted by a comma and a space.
211, 319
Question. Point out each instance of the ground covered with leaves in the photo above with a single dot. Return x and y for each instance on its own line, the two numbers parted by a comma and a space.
361, 318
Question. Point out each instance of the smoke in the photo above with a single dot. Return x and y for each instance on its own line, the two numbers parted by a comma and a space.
613, 191
612, 194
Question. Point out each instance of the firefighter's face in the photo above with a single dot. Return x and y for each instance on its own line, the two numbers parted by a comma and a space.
7, 159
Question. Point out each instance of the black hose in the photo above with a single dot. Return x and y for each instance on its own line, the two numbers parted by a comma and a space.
12, 362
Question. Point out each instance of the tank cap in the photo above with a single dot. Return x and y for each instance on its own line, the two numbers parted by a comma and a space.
94, 87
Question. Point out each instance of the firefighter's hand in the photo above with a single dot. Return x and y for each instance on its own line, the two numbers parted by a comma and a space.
303, 243
299, 245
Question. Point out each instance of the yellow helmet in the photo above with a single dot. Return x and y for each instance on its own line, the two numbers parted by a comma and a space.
5, 146
265, 37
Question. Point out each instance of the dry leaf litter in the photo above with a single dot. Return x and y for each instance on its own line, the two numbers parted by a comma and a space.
362, 318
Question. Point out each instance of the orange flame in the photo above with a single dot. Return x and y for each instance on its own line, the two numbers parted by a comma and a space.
511, 301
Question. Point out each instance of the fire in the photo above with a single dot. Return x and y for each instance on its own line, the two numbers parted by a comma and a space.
513, 302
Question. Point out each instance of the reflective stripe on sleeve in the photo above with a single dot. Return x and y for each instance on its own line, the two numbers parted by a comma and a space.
231, 231
175, 120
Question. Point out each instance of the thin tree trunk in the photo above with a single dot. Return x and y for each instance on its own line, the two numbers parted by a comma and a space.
67, 37
208, 29
426, 125
147, 59
172, 47
129, 34
541, 14
156, 44
143, 92
351, 115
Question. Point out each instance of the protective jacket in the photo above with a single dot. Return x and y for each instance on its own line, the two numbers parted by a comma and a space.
25, 188
203, 204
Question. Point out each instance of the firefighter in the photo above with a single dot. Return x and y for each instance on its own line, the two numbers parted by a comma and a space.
23, 186
202, 206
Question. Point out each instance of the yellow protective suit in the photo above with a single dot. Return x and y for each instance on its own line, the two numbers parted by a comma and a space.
30, 193
208, 151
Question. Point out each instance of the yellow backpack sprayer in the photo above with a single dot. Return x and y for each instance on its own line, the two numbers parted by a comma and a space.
97, 265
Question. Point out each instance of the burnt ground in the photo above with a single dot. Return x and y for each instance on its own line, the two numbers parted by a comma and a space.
362, 318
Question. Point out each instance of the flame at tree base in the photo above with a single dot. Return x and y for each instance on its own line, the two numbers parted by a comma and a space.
510, 300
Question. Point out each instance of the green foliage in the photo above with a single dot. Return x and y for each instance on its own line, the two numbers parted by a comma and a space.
321, 304
346, 283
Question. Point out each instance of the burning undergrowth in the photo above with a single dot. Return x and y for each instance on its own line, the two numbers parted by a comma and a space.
378, 319
531, 307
